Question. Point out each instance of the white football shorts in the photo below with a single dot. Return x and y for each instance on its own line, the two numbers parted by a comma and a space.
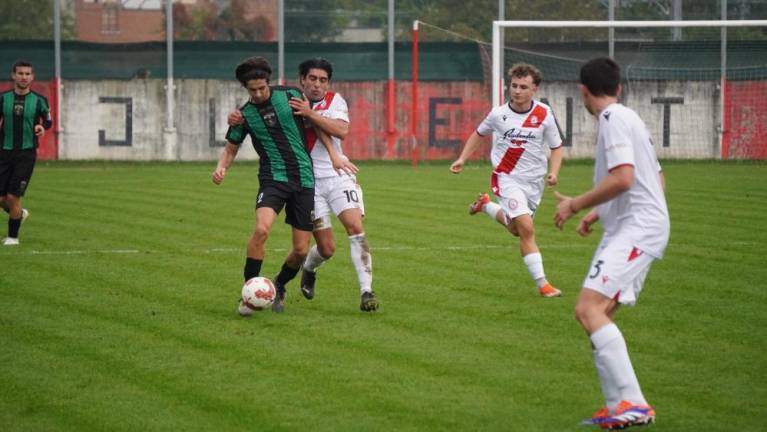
336, 194
517, 198
618, 269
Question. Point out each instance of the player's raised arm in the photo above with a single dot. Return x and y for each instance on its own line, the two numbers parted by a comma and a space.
469, 148
332, 126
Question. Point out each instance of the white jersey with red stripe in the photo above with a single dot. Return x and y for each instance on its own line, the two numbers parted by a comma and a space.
640, 212
332, 106
522, 140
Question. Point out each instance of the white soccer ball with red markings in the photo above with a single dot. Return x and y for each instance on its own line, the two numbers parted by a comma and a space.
258, 293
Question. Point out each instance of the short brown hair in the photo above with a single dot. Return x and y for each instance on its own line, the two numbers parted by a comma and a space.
20, 63
521, 70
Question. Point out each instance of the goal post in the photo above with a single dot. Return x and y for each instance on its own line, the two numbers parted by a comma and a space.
671, 67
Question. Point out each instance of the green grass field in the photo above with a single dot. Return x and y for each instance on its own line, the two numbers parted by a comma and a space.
118, 310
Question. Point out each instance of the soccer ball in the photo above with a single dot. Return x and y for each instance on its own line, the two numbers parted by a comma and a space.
257, 293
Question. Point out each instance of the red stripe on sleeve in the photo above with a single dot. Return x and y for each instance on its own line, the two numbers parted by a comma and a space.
618, 166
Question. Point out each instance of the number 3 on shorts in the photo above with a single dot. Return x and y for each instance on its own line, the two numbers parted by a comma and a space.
597, 269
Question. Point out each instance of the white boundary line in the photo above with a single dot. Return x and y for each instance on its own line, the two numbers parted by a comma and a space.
579, 245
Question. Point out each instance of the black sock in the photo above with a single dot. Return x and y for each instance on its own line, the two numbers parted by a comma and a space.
13, 227
252, 268
286, 274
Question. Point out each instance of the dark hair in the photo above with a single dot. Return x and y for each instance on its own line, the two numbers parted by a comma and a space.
602, 76
315, 63
521, 70
20, 63
253, 68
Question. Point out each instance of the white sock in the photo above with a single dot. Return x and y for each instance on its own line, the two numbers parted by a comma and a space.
491, 209
314, 260
609, 388
612, 354
534, 263
362, 260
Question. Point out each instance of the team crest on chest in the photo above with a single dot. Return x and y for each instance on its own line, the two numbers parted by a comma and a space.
534, 120
270, 119
18, 109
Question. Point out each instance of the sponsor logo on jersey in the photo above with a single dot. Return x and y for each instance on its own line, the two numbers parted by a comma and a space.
518, 134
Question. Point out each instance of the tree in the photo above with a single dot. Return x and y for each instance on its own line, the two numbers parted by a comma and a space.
472, 18
31, 19
313, 20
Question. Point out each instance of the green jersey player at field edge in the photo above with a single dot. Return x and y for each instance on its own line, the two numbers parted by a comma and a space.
24, 116
285, 173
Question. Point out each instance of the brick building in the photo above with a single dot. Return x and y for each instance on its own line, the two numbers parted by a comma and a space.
125, 21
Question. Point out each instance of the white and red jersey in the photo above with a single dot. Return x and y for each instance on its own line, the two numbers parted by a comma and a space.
522, 140
332, 106
640, 212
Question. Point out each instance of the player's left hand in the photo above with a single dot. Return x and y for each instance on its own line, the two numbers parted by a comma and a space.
300, 107
564, 209
39, 131
552, 179
345, 166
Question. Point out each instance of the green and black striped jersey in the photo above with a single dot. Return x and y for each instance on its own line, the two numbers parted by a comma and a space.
19, 115
278, 137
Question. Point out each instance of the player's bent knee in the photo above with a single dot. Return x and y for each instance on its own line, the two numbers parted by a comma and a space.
260, 234
299, 253
326, 250
355, 229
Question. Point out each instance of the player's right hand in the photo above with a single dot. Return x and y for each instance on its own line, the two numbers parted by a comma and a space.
235, 118
218, 175
457, 166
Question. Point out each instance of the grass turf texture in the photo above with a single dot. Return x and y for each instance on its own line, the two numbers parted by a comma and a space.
118, 310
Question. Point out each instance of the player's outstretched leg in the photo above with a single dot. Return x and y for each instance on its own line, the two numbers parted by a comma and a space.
308, 279
363, 265
285, 275
479, 204
309, 271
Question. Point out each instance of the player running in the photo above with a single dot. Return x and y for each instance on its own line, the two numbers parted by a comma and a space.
24, 116
525, 130
628, 198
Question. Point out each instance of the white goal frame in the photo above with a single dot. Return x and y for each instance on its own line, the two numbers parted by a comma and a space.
498, 74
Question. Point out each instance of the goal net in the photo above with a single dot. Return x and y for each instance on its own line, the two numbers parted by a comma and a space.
701, 86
